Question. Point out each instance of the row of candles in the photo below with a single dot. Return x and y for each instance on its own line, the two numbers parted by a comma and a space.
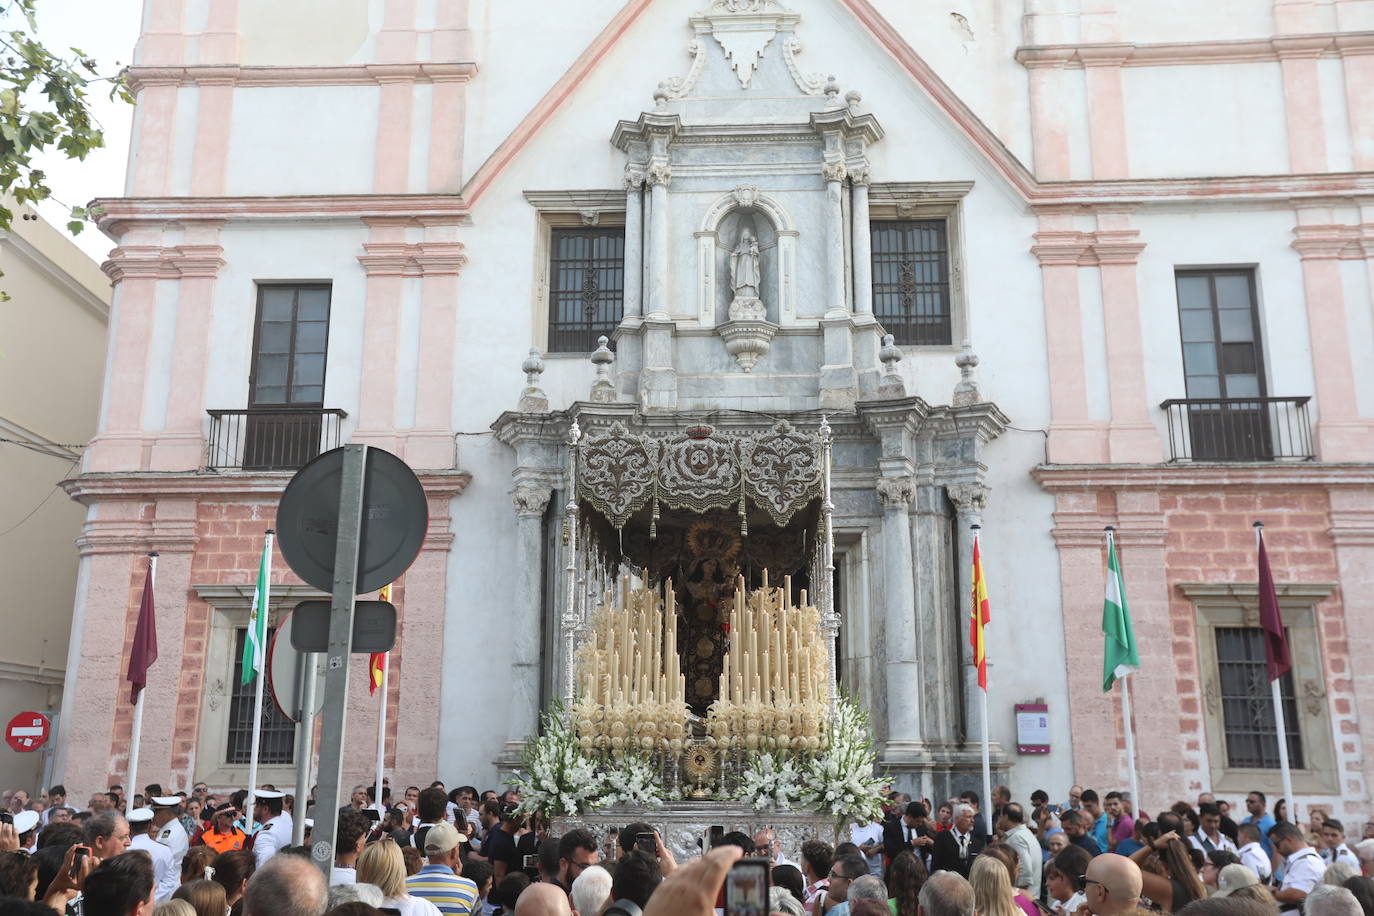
632, 657
773, 648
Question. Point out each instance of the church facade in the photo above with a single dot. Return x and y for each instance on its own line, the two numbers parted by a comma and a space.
1040, 267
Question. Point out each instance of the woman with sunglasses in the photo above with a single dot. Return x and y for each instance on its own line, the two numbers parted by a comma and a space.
1181, 887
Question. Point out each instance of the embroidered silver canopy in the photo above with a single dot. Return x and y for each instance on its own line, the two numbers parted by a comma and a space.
780, 470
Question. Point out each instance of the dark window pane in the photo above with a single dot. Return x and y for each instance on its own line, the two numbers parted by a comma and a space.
1238, 358
1247, 705
277, 740
586, 287
911, 280
275, 337
290, 343
272, 370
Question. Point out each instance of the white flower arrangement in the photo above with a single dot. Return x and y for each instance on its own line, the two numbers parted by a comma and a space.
771, 782
840, 781
554, 776
633, 781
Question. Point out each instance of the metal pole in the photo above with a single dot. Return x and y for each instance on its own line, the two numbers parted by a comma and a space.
264, 610
305, 746
987, 766
132, 787
381, 733
1130, 740
337, 658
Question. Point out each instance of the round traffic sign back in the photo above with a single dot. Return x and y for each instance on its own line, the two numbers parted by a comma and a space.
395, 517
27, 731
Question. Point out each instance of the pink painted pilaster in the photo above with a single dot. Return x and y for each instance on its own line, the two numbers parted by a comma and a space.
219, 43
1049, 132
395, 102
162, 43
181, 445
1296, 17
134, 268
430, 444
1131, 437
447, 116
1098, 21
423, 633
1357, 59
214, 116
1073, 438
396, 40
1302, 99
1341, 434
1352, 533
151, 163
450, 39
385, 259
1106, 109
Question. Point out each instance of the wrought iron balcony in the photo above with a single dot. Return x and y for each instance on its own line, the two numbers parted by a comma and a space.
1239, 429
271, 438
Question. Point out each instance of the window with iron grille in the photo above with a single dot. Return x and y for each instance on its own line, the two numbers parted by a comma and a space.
1247, 703
911, 296
586, 286
277, 742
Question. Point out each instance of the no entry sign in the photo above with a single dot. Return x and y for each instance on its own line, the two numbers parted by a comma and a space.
27, 731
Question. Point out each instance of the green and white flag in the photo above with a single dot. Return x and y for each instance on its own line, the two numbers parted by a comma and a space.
255, 646
1119, 655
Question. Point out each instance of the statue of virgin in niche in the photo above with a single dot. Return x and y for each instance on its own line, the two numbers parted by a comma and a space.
744, 266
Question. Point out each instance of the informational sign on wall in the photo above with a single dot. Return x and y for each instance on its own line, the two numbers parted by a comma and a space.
1032, 728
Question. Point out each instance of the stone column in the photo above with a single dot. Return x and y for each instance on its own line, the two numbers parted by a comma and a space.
899, 619
834, 175
839, 383
658, 176
1341, 434
969, 500
526, 629
862, 242
634, 242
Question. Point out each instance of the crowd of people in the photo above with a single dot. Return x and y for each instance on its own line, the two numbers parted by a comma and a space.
436, 852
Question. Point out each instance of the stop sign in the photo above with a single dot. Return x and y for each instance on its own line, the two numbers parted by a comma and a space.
27, 731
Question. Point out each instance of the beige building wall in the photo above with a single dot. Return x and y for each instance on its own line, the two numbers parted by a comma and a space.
52, 356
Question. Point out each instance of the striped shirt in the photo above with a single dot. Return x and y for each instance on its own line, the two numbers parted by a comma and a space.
452, 894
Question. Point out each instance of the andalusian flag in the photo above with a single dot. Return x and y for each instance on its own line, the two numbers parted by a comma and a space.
255, 646
979, 616
376, 665
1119, 655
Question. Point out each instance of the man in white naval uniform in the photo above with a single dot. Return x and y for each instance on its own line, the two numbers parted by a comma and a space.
170, 833
275, 830
166, 877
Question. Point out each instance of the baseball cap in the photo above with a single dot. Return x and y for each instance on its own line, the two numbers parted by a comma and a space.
1233, 877
440, 838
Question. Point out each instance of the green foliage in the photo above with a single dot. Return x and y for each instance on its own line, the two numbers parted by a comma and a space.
44, 105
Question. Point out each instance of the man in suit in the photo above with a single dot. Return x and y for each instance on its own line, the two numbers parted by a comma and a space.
956, 848
909, 831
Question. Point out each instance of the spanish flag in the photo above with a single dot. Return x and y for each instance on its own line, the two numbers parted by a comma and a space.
979, 616
376, 666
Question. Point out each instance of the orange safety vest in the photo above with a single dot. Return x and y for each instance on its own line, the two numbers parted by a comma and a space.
223, 842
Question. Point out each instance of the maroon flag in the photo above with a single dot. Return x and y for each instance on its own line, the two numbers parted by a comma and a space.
144, 650
1275, 640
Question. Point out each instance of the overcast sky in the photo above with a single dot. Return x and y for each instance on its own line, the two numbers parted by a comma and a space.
106, 30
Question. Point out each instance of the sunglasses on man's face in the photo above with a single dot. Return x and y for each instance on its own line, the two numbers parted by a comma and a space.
1084, 881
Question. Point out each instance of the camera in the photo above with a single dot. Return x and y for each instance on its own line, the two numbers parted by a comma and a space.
646, 842
746, 888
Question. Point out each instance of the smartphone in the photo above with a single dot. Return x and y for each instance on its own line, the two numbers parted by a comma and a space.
6, 817
530, 862
372, 814
647, 843
77, 853
746, 888
713, 835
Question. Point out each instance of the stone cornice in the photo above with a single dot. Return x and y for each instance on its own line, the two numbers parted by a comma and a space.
1314, 243
1179, 53
849, 124
1070, 477
154, 262
412, 259
348, 75
117, 214
261, 486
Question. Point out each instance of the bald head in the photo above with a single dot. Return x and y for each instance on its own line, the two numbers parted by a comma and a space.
1113, 885
543, 900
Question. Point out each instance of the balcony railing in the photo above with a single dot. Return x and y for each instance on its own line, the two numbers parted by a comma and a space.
271, 438
1239, 429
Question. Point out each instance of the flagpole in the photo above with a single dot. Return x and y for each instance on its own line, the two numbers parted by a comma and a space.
983, 701
381, 729
263, 608
1129, 726
130, 789
1280, 731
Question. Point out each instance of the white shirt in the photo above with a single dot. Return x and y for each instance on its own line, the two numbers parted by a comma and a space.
173, 836
343, 875
1341, 853
166, 877
410, 905
1070, 906
870, 834
1253, 857
273, 835
1028, 850
1302, 871
1222, 841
